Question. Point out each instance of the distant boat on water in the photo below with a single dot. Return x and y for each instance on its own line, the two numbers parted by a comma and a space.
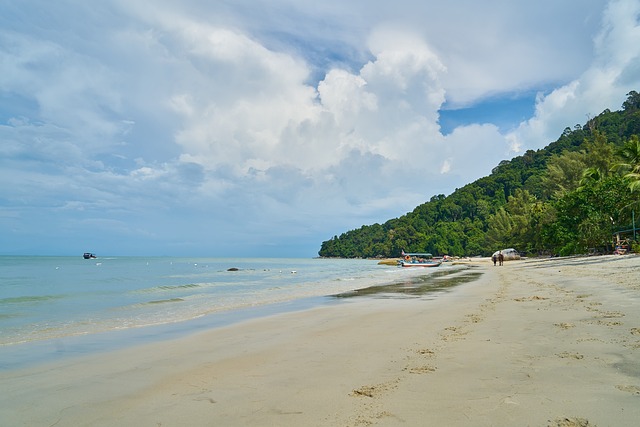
88, 255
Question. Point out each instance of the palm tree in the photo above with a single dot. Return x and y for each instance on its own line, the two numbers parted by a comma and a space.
630, 166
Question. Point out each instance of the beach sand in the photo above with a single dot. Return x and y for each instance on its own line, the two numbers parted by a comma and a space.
532, 343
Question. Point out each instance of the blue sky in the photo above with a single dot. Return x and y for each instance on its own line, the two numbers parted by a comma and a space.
252, 128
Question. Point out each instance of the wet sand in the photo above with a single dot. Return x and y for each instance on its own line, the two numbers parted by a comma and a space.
533, 343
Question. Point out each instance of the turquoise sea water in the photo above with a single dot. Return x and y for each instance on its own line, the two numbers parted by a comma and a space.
49, 304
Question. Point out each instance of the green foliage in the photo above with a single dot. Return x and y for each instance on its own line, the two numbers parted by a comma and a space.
588, 216
567, 198
564, 173
630, 164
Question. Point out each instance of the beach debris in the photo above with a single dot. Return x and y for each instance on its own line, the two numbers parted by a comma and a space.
635, 331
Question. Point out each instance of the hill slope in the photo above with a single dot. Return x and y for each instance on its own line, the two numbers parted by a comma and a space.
539, 202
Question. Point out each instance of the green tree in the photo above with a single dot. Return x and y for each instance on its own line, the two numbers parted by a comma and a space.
520, 207
564, 173
598, 157
632, 103
586, 217
630, 164
500, 229
599, 153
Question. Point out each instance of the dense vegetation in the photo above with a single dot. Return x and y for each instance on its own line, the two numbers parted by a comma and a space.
564, 199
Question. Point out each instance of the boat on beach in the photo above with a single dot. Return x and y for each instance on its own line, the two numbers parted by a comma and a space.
417, 259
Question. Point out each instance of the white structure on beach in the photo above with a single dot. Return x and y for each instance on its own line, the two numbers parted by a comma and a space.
509, 254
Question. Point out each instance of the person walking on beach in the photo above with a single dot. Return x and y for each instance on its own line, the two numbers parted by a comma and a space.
494, 258
500, 258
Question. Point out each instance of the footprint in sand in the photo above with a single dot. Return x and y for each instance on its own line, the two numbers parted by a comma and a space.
629, 388
365, 390
375, 390
423, 369
474, 318
426, 369
611, 314
454, 334
564, 325
567, 355
570, 422
600, 322
604, 323
533, 298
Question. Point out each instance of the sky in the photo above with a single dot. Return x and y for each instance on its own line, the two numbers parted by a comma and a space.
254, 128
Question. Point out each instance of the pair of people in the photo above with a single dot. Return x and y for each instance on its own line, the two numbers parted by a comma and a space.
499, 258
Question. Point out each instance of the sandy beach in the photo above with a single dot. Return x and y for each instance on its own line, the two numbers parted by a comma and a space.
532, 343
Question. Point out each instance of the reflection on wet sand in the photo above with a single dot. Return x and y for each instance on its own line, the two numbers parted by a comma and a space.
419, 286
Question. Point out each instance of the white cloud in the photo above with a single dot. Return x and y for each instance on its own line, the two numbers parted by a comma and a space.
344, 95
603, 85
446, 166
388, 109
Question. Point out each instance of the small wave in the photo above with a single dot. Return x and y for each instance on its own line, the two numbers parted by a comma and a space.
172, 287
169, 288
162, 301
29, 299
4, 316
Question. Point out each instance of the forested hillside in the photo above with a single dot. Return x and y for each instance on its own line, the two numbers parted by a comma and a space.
564, 199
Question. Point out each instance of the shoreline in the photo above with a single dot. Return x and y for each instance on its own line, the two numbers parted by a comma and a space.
528, 343
32, 353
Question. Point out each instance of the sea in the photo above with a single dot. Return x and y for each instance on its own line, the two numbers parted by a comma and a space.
55, 307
